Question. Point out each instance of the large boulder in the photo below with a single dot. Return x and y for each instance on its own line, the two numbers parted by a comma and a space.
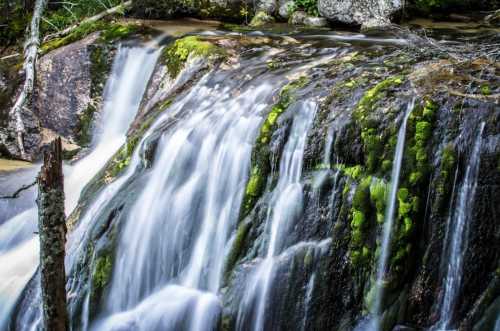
367, 13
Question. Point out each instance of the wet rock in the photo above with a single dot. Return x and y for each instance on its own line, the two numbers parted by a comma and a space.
315, 21
367, 13
298, 18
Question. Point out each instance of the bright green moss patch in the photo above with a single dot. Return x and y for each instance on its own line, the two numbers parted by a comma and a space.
261, 163
373, 141
176, 55
236, 248
110, 32
102, 272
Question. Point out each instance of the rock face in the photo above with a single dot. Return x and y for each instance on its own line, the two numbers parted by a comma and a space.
68, 91
367, 13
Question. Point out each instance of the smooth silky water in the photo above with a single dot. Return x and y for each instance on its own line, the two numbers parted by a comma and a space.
129, 76
457, 235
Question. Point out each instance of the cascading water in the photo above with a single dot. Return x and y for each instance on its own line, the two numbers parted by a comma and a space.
168, 279
285, 208
458, 229
123, 93
374, 322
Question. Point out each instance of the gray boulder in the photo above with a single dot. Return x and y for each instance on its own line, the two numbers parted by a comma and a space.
367, 13
286, 9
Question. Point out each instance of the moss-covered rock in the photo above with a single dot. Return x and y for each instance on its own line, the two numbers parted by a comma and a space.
176, 55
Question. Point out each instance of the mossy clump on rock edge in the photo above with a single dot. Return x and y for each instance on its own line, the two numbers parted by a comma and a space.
261, 163
109, 32
176, 55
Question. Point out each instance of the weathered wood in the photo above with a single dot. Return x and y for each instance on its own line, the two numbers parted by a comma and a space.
52, 232
30, 57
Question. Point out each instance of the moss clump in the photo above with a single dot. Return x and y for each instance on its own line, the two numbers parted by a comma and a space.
110, 32
84, 130
360, 212
261, 163
261, 18
236, 248
378, 195
176, 55
373, 141
102, 272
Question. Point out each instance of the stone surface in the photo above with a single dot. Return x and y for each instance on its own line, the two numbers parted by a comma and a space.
286, 9
298, 17
315, 21
64, 90
360, 12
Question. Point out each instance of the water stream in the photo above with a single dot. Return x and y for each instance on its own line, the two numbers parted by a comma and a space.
123, 93
458, 230
285, 208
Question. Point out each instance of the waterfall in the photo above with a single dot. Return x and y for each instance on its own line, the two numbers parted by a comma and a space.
374, 323
170, 253
458, 230
285, 208
129, 77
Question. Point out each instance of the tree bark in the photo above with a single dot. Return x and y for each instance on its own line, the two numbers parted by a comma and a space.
52, 232
30, 57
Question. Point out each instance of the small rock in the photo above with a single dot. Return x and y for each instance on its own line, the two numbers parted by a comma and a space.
261, 18
315, 21
403, 328
286, 9
298, 17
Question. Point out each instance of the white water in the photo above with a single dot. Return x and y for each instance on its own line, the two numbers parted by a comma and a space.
129, 77
171, 251
307, 300
389, 221
285, 208
458, 228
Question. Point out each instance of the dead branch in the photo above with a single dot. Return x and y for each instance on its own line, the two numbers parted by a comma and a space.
15, 195
30, 57
101, 15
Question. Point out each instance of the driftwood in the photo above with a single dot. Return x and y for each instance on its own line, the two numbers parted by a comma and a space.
30, 57
101, 15
52, 231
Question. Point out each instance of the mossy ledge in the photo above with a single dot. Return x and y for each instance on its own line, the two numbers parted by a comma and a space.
261, 157
176, 55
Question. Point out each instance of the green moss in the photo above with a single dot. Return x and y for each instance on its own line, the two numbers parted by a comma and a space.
260, 155
176, 55
378, 196
261, 18
373, 141
110, 32
84, 130
236, 248
102, 272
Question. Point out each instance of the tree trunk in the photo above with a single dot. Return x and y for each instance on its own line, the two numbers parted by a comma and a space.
52, 232
30, 57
